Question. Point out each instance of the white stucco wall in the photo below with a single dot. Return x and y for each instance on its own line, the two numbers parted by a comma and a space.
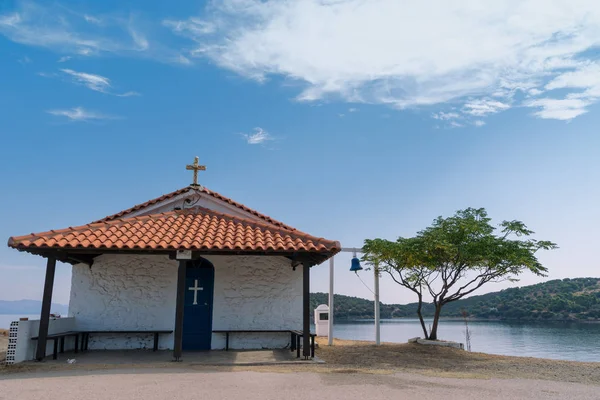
253, 292
125, 292
129, 292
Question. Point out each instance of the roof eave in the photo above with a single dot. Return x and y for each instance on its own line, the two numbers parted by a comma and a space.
70, 255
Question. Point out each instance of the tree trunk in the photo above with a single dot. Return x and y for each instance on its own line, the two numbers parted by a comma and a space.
421, 316
436, 318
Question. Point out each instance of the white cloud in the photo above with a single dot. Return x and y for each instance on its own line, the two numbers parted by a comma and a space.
445, 116
80, 114
562, 109
353, 110
47, 74
64, 30
455, 124
193, 27
483, 107
64, 59
94, 82
535, 92
181, 59
584, 77
405, 54
259, 136
128, 94
479, 123
139, 39
92, 20
479, 59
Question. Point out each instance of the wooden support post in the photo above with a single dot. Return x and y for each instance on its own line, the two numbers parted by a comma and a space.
46, 304
306, 310
155, 347
178, 345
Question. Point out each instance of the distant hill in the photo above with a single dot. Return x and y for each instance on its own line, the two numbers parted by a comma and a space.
26, 307
566, 299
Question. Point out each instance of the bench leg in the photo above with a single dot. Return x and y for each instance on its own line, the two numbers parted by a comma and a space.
62, 344
155, 341
298, 346
312, 347
293, 342
226, 341
55, 353
77, 343
87, 341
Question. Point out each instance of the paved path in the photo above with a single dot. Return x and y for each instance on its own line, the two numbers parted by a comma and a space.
184, 385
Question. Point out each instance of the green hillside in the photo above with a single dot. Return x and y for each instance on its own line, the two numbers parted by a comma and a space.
567, 299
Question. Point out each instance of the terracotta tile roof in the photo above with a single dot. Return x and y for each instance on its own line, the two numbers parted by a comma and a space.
192, 229
204, 190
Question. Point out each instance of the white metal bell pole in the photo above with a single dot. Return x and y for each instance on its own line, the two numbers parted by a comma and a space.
377, 326
330, 322
376, 302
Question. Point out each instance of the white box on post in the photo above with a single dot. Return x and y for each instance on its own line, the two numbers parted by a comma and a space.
322, 320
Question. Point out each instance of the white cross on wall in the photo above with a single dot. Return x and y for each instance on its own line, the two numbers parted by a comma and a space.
195, 289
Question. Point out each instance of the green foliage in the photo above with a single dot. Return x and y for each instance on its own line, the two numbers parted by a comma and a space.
456, 256
567, 299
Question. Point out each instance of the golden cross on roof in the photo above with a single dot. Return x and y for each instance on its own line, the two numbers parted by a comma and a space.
195, 167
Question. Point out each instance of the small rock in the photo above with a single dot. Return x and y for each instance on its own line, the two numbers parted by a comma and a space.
71, 361
413, 340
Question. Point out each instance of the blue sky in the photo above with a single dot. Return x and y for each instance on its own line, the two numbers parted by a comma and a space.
346, 119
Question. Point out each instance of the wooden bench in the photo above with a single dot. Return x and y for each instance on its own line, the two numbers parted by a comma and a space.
61, 336
85, 339
295, 337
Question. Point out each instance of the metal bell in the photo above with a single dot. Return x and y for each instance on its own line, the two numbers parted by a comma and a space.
355, 267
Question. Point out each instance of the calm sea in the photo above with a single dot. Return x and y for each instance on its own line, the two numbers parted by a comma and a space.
6, 319
557, 340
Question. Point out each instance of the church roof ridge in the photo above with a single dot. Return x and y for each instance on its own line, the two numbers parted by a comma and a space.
204, 190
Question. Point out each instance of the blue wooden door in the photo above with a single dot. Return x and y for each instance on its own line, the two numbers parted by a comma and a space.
197, 313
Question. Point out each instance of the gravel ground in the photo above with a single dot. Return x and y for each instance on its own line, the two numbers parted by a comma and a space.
355, 358
158, 384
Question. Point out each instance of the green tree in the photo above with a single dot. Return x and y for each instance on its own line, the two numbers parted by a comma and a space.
456, 256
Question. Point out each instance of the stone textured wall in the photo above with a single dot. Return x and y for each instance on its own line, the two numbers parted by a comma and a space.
253, 292
129, 292
125, 292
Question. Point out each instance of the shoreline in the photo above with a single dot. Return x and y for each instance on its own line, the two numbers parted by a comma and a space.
578, 321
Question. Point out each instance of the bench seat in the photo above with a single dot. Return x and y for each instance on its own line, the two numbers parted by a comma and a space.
295, 337
56, 337
86, 335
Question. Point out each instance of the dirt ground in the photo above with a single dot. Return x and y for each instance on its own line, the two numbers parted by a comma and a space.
448, 362
364, 357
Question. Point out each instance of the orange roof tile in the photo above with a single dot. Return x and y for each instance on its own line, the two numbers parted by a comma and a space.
192, 229
204, 190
